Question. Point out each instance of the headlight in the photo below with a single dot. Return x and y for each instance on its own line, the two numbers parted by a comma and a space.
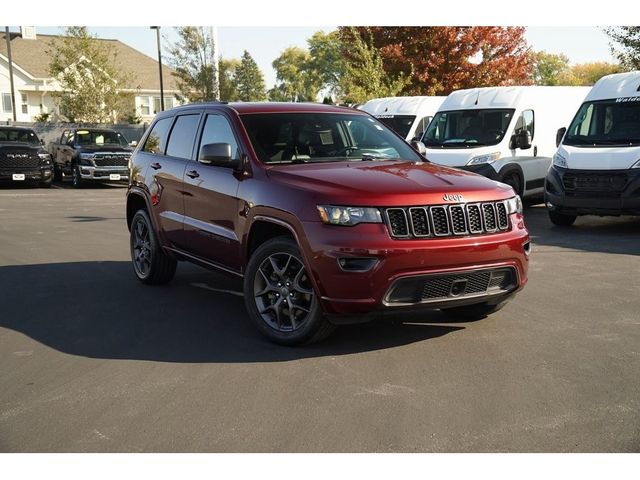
87, 158
560, 161
514, 205
482, 159
636, 165
348, 215
46, 157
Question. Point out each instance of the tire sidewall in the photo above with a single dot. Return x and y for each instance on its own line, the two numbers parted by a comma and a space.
316, 318
142, 215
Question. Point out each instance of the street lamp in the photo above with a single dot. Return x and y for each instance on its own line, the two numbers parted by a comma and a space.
157, 29
7, 35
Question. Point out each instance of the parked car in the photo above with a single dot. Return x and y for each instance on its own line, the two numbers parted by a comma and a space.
596, 170
407, 116
91, 154
504, 133
327, 215
23, 158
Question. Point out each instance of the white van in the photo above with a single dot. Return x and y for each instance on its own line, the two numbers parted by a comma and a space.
407, 116
505, 133
597, 167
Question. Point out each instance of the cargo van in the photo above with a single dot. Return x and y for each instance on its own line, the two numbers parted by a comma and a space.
505, 133
596, 170
407, 116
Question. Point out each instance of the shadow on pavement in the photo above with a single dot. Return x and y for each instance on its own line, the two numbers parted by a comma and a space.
99, 310
589, 233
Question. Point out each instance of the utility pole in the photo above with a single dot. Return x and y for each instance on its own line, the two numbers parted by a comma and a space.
13, 92
157, 29
216, 71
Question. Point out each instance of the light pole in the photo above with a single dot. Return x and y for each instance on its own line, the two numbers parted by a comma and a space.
157, 29
13, 93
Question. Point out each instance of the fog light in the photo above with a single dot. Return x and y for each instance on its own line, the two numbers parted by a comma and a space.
357, 264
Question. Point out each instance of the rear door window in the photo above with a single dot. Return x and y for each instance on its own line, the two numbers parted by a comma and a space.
157, 139
182, 135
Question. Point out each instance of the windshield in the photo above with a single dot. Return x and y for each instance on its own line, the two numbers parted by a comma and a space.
323, 137
401, 124
606, 123
100, 137
467, 128
18, 135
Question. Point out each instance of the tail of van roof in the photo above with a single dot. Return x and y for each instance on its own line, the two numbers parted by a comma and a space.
402, 105
617, 85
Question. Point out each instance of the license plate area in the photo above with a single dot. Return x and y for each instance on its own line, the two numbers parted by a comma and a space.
18, 177
114, 176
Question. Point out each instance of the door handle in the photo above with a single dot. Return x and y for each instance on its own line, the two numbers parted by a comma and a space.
193, 174
155, 166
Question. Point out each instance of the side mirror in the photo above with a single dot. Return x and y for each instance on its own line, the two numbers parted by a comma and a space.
521, 140
560, 135
419, 147
218, 155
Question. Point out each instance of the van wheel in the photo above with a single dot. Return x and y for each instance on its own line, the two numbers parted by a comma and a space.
473, 312
150, 263
514, 181
76, 178
561, 219
279, 295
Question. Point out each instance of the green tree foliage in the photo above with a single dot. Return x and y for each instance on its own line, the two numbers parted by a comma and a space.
191, 57
548, 68
326, 61
91, 78
625, 45
364, 76
227, 68
586, 74
249, 80
295, 80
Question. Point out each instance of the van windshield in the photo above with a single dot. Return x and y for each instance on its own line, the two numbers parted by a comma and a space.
467, 128
606, 123
401, 124
323, 137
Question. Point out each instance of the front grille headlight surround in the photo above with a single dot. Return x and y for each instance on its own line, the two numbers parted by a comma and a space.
348, 216
636, 165
484, 159
87, 158
45, 157
514, 205
559, 161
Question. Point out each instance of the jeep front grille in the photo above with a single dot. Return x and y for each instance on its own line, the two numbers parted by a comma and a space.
447, 220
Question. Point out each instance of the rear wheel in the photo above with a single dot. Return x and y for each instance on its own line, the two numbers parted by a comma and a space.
473, 312
561, 219
150, 263
279, 295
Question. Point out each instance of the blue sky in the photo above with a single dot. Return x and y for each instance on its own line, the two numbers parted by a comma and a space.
580, 44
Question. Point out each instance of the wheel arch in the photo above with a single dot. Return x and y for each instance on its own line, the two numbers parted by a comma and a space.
513, 168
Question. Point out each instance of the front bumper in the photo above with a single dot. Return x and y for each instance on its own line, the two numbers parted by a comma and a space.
35, 174
360, 292
104, 174
625, 201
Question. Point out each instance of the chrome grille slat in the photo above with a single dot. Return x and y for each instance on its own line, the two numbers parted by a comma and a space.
447, 220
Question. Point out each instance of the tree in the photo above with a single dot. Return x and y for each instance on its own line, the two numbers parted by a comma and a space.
364, 77
90, 76
326, 62
249, 80
549, 67
586, 74
192, 60
627, 50
228, 90
296, 82
439, 60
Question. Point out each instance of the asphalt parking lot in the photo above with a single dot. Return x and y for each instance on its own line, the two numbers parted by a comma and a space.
91, 360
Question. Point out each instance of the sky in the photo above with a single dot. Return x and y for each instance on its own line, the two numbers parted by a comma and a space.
580, 44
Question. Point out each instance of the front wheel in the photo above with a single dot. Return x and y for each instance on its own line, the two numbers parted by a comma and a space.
514, 181
150, 263
76, 178
279, 296
561, 219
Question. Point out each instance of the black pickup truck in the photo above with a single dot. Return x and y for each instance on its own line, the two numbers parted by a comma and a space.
91, 154
23, 158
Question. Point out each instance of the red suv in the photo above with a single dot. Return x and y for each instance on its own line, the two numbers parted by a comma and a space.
327, 215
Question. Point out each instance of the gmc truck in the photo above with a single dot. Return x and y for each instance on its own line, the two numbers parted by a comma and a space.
327, 215
23, 159
90, 154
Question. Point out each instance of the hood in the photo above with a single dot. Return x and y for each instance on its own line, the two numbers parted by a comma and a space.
599, 158
389, 183
458, 157
20, 146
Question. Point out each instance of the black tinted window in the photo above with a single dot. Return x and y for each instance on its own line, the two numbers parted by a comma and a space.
182, 136
157, 139
218, 130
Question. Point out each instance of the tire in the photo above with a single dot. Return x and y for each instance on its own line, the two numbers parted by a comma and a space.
46, 184
561, 219
150, 263
276, 279
514, 180
473, 312
57, 174
76, 178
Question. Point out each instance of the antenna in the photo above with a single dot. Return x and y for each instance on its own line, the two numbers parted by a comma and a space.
477, 98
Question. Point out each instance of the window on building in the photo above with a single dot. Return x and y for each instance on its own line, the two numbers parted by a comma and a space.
7, 104
25, 102
168, 103
145, 108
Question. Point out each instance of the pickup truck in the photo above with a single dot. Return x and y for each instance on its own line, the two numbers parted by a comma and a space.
91, 154
23, 158
327, 215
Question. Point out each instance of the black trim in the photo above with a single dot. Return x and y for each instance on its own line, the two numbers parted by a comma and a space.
531, 184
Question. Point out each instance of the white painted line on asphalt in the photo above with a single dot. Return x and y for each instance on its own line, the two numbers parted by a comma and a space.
220, 290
